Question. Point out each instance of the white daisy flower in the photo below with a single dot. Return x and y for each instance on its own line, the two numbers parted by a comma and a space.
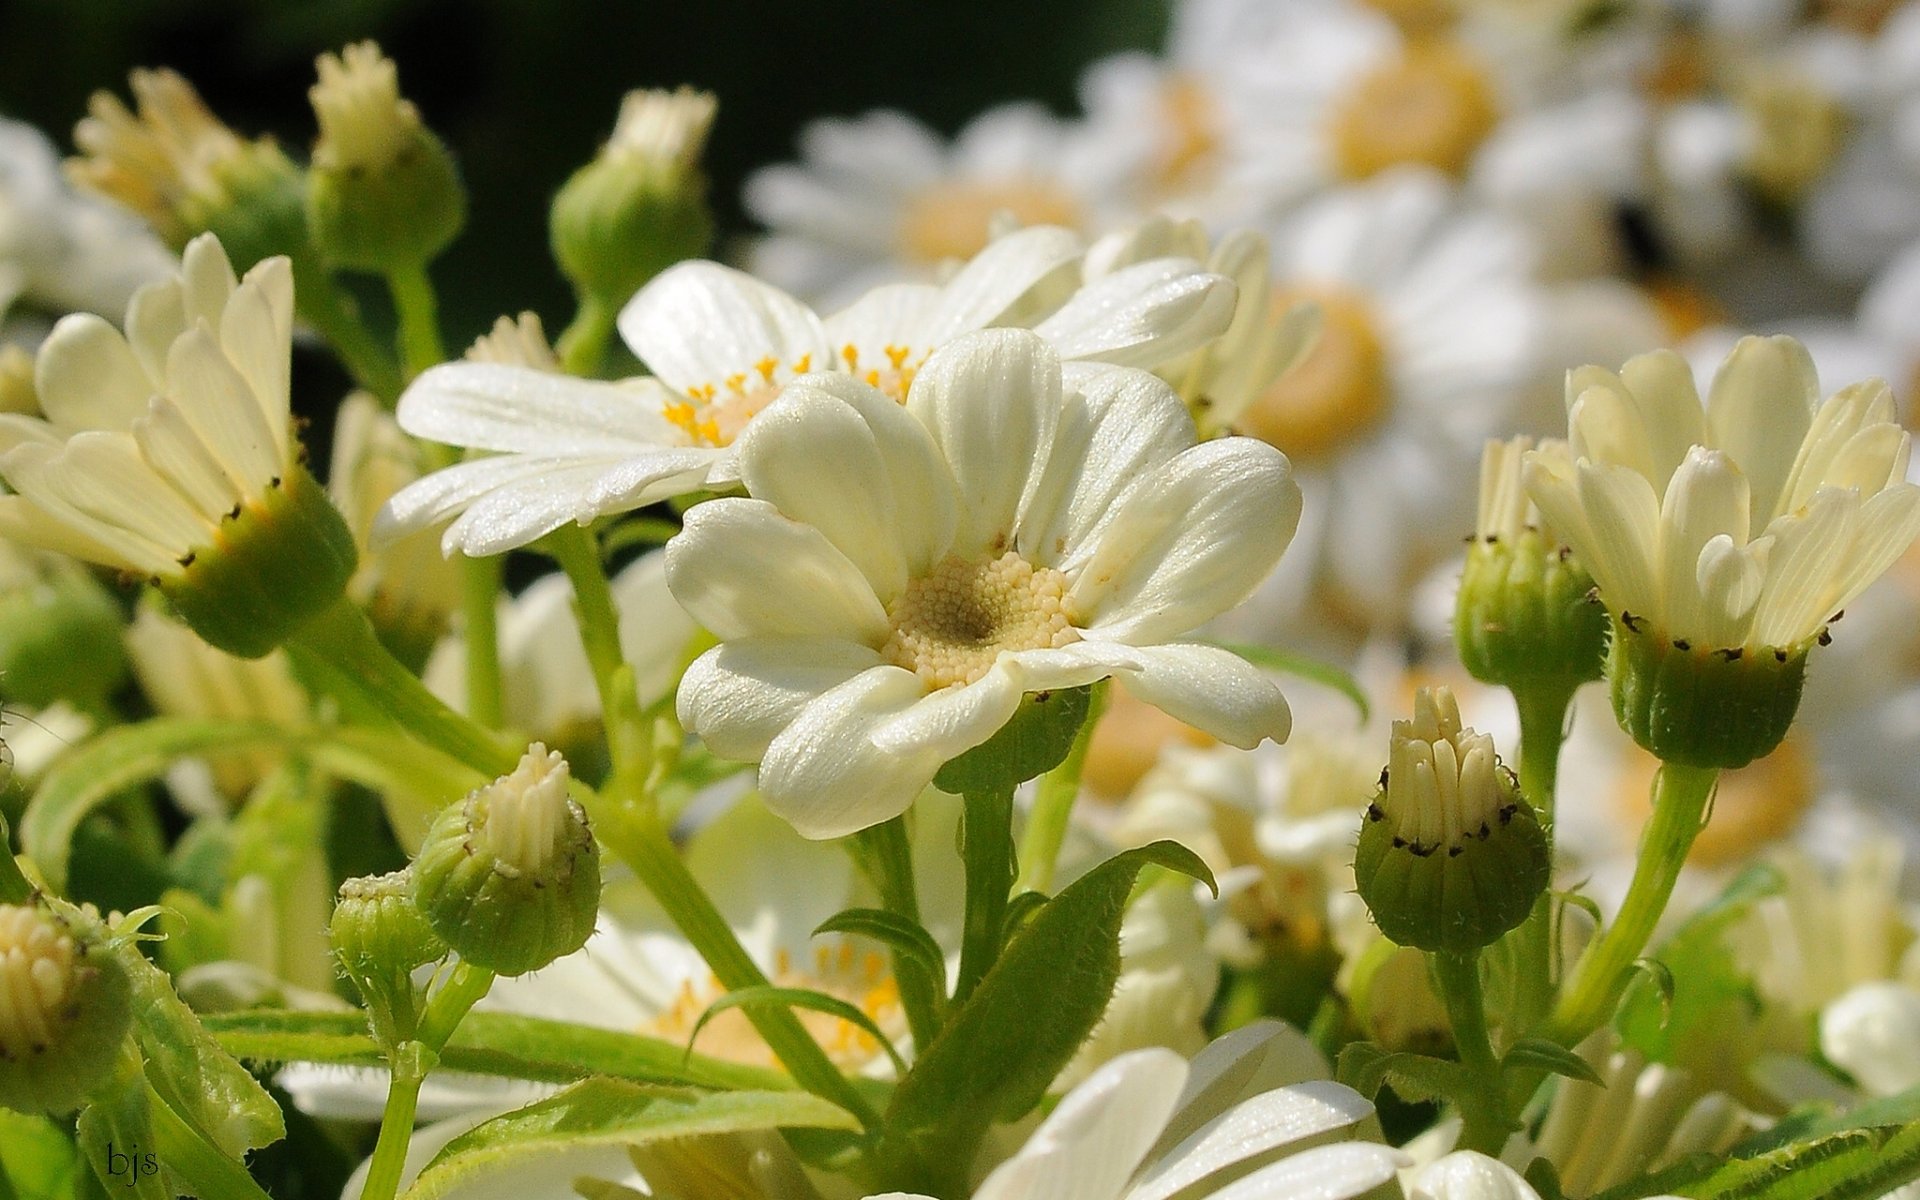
1743, 525
722, 346
1148, 1126
899, 581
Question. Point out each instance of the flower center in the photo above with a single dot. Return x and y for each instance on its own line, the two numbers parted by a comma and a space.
1334, 394
1433, 107
954, 219
862, 979
1754, 806
714, 414
893, 378
1193, 133
36, 977
952, 624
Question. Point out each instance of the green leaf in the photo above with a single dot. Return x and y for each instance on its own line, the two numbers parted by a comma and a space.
488, 1043
118, 1118
1029, 745
407, 773
1858, 1163
791, 997
38, 1159
1364, 1066
1021, 909
1542, 1055
1030, 1013
912, 944
1302, 666
611, 1112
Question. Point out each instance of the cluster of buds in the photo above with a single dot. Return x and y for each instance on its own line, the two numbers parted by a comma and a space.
65, 1006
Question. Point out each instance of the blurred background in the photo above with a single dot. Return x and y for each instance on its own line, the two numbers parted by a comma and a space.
524, 91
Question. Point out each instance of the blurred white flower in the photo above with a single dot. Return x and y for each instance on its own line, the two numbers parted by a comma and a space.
899, 580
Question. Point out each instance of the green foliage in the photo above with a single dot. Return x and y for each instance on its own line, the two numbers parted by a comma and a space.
914, 948
790, 997
1034, 742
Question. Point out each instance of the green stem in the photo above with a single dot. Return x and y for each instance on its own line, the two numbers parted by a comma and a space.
331, 313
14, 887
1053, 801
635, 834
628, 741
886, 855
198, 1162
1543, 726
339, 651
1680, 797
1484, 1110
419, 311
583, 343
480, 580
408, 1066
987, 846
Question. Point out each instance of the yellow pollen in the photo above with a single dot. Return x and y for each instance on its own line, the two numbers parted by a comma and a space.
954, 219
1753, 806
1434, 106
37, 969
897, 355
952, 624
766, 367
1338, 391
851, 353
711, 416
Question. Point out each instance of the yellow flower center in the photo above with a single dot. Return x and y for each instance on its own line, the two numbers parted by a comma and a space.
1418, 17
1129, 740
1338, 391
952, 624
1434, 106
893, 376
1753, 807
862, 979
1193, 133
37, 965
713, 414
953, 219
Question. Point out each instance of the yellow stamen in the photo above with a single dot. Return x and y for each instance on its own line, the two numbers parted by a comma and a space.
1335, 394
1433, 106
954, 219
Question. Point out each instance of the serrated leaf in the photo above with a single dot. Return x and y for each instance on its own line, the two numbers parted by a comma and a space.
1007, 1042
1302, 666
609, 1112
1551, 1057
910, 941
791, 997
1364, 1067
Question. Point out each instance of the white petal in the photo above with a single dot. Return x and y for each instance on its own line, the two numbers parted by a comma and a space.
1874, 1033
493, 406
991, 400
62, 528
825, 776
744, 570
1706, 499
1804, 572
256, 333
88, 378
954, 720
1143, 315
1093, 1142
1255, 1058
1760, 408
169, 442
516, 512
1193, 540
699, 323
1335, 1172
738, 697
216, 400
990, 289
1214, 690
1669, 409
1465, 1175
103, 476
1253, 1127
434, 498
1623, 520
206, 280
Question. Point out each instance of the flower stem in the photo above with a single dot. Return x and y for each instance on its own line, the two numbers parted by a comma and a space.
407, 1067
1053, 804
1680, 797
339, 652
886, 855
987, 846
582, 347
332, 314
1543, 726
629, 744
200, 1164
1484, 1108
418, 308
480, 631
14, 887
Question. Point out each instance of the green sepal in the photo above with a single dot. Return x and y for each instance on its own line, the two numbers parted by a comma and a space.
1033, 742
257, 207
1364, 1067
398, 217
274, 566
1701, 706
1526, 617
1001, 1049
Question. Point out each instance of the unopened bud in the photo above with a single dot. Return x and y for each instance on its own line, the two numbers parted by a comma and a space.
59, 632
379, 936
1450, 855
65, 1007
383, 192
1699, 706
510, 876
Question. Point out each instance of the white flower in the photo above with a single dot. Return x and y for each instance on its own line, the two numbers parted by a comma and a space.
1745, 525
1873, 1032
1148, 1126
153, 440
899, 580
722, 346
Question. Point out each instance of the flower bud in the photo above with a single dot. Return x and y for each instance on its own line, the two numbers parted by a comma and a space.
65, 1007
59, 632
383, 192
640, 206
510, 876
1525, 615
1703, 707
1450, 856
379, 936
271, 566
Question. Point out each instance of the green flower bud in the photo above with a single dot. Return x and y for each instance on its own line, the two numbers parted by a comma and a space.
273, 566
1700, 706
510, 876
1525, 615
65, 1007
59, 632
1451, 855
379, 936
383, 192
640, 206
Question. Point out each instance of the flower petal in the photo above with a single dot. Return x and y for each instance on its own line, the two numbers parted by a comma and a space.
1143, 315
744, 570
825, 776
1093, 1142
1335, 1172
740, 696
1466, 1175
1213, 690
494, 406
1759, 410
1253, 1127
88, 378
697, 323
